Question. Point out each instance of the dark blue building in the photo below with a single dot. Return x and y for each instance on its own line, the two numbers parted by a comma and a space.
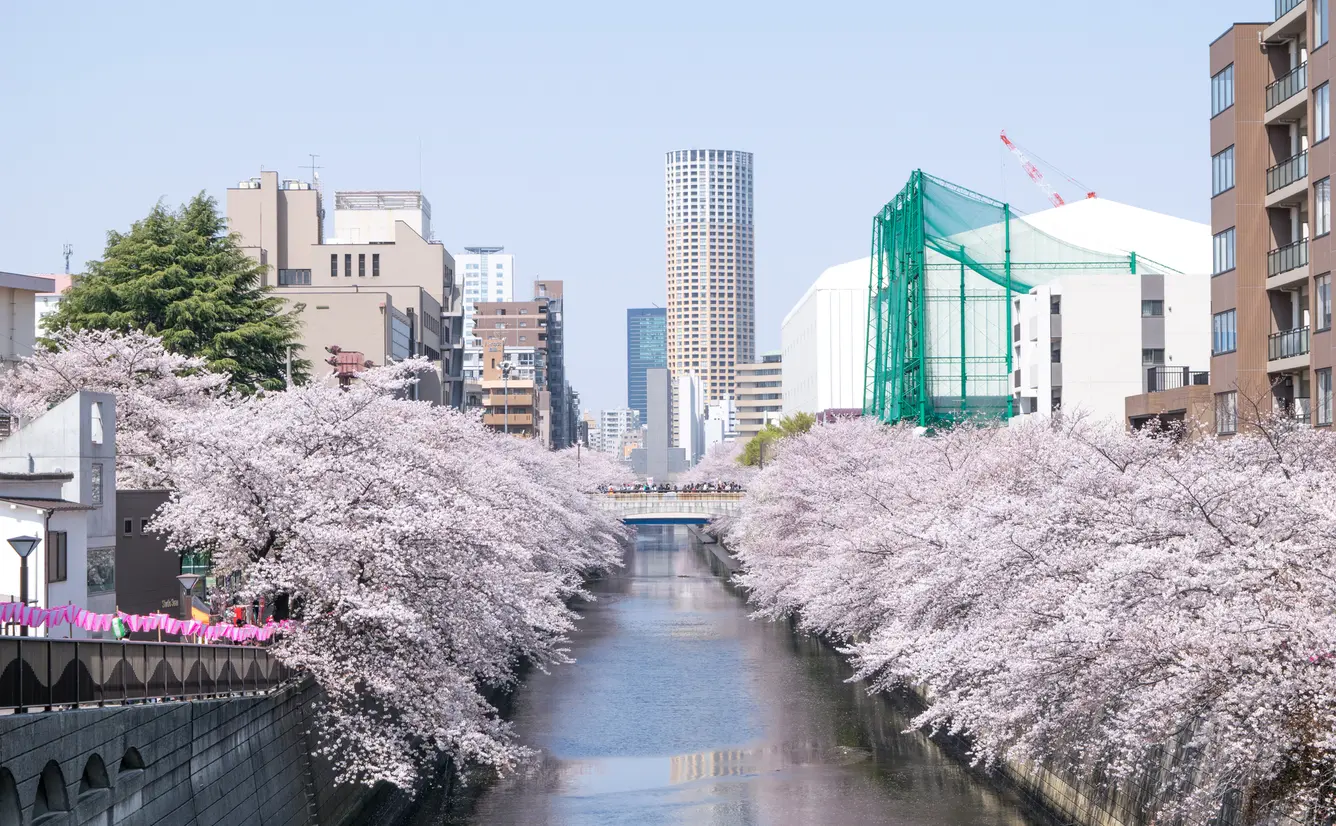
646, 349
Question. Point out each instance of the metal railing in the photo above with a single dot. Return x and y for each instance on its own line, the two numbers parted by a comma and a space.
38, 673
1287, 86
1284, 7
1171, 378
1298, 409
1286, 258
1288, 171
1287, 344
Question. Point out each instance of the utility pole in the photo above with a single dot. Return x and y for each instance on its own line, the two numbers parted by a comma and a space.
67, 251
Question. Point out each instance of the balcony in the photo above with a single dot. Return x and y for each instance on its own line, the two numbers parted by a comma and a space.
1287, 182
517, 421
516, 400
1287, 265
1159, 379
1289, 348
1298, 409
1291, 17
1284, 100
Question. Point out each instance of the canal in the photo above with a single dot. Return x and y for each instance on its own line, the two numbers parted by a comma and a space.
681, 710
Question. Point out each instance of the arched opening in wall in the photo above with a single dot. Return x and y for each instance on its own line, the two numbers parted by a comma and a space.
133, 761
51, 795
94, 776
11, 810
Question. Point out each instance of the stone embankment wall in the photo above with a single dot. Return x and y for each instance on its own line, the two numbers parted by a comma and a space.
238, 760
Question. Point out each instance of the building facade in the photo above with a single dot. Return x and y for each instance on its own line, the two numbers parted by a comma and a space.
511, 399
1088, 342
563, 420
824, 342
656, 458
711, 265
613, 425
690, 418
760, 394
646, 349
58, 476
380, 285
486, 274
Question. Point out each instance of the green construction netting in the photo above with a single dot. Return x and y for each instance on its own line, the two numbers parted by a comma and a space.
946, 263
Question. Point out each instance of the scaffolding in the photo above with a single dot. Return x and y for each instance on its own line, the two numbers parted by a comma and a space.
947, 264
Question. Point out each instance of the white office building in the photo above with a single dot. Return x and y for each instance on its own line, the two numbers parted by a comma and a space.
487, 274
690, 426
614, 425
1088, 341
824, 342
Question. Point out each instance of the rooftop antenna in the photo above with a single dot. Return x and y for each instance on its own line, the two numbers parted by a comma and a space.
67, 251
315, 176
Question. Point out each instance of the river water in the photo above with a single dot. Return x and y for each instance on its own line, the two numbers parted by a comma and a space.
681, 710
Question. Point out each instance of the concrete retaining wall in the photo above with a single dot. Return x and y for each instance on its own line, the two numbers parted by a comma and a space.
240, 760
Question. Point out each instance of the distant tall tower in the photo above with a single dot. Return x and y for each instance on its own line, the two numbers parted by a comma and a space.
711, 266
646, 349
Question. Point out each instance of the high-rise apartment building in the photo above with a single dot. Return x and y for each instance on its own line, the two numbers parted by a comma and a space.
563, 412
760, 394
646, 349
487, 274
711, 266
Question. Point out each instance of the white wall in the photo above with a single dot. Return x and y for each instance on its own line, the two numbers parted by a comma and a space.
824, 342
1187, 321
1101, 344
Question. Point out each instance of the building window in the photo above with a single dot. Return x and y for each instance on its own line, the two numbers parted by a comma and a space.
1227, 412
361, 265
57, 556
1055, 305
101, 573
292, 278
127, 527
375, 265
95, 478
1152, 357
1322, 286
1055, 351
1222, 90
1224, 336
333, 265
1323, 412
143, 524
1152, 308
1222, 172
1322, 112
1322, 206
1319, 22
348, 265
96, 414
1222, 252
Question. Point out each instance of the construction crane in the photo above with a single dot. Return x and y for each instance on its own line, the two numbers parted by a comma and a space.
1038, 177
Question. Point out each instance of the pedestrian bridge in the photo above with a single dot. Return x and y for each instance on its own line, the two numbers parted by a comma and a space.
670, 508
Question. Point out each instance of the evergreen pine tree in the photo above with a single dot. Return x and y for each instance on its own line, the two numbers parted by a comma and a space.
181, 276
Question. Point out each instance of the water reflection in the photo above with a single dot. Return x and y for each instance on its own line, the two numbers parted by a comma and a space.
679, 710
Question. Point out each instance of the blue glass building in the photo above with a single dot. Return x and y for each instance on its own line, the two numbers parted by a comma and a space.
646, 349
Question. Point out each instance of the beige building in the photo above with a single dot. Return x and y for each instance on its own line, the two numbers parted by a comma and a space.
760, 394
380, 286
711, 266
511, 401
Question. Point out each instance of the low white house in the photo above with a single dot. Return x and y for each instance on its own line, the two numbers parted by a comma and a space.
58, 483
824, 342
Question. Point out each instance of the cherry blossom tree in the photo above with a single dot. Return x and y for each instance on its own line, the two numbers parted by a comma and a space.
1074, 595
424, 557
595, 469
153, 389
721, 463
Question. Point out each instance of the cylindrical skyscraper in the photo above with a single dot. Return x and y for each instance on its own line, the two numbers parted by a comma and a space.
711, 268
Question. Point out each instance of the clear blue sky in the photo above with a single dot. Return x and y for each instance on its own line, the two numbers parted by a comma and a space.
543, 125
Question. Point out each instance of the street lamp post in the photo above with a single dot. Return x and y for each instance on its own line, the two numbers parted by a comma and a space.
23, 546
506, 367
188, 582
